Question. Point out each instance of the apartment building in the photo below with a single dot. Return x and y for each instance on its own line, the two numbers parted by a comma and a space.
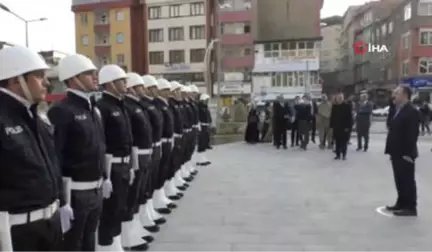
330, 49
287, 38
236, 49
177, 40
112, 32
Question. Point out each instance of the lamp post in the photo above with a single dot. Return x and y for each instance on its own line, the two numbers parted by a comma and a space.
26, 21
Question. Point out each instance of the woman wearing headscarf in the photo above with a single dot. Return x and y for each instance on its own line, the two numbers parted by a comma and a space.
252, 132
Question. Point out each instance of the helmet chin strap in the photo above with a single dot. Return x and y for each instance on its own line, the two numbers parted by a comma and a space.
81, 85
25, 89
116, 90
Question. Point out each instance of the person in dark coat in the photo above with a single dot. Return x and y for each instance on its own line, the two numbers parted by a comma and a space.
304, 118
425, 117
401, 145
391, 111
266, 122
363, 122
341, 122
252, 132
279, 124
295, 136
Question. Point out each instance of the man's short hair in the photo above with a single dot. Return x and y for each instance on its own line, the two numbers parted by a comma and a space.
407, 91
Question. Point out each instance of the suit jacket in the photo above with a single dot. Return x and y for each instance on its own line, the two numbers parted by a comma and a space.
403, 132
341, 117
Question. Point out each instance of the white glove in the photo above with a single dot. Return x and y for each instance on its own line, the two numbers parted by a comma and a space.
132, 176
107, 189
199, 127
66, 217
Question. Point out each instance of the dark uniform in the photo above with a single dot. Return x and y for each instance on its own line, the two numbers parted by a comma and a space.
167, 143
341, 122
195, 126
30, 179
118, 137
204, 133
80, 146
187, 138
176, 158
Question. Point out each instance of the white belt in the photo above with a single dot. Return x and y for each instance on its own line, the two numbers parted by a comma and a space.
157, 144
121, 160
40, 214
144, 151
81, 186
177, 135
168, 140
195, 126
187, 130
205, 124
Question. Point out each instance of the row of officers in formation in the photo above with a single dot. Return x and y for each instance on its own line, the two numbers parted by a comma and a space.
97, 175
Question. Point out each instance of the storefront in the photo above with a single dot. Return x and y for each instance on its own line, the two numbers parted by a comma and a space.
422, 86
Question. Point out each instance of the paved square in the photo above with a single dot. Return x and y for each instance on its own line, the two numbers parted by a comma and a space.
254, 197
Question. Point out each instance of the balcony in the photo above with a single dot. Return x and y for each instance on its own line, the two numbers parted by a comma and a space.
102, 44
239, 62
237, 39
235, 16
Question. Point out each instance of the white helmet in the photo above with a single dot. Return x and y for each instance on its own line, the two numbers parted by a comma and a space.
17, 60
134, 79
190, 89
204, 97
110, 73
194, 89
163, 84
184, 88
175, 85
149, 81
73, 65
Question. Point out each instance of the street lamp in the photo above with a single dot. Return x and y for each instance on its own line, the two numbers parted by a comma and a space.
26, 21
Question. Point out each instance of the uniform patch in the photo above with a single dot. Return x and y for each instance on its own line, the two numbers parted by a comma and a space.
15, 130
115, 114
80, 117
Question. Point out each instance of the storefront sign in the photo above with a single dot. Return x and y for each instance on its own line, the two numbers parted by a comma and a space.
176, 67
235, 88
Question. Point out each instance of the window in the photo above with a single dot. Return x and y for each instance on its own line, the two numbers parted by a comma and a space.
176, 33
407, 12
85, 40
104, 60
405, 68
120, 59
197, 55
156, 58
84, 19
176, 56
384, 29
197, 9
426, 37
156, 35
246, 28
425, 66
103, 18
174, 10
424, 8
155, 12
119, 16
120, 38
405, 41
247, 51
197, 32
390, 27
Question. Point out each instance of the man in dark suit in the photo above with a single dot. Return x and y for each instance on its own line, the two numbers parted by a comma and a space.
341, 122
279, 123
401, 145
304, 118
314, 111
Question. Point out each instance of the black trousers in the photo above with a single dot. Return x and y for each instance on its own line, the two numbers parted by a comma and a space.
176, 157
87, 208
313, 129
203, 139
133, 197
164, 165
264, 130
154, 171
42, 235
145, 162
295, 136
362, 137
341, 138
280, 136
114, 208
404, 177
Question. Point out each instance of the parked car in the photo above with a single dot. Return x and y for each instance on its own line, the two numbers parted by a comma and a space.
381, 112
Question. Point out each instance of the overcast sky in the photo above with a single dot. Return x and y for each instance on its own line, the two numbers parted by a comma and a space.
58, 31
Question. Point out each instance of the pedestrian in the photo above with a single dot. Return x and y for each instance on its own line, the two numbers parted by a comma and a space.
314, 110
119, 141
401, 146
187, 170
304, 119
194, 99
279, 123
31, 194
266, 121
252, 132
341, 121
363, 122
323, 122
132, 226
80, 145
425, 112
149, 217
295, 136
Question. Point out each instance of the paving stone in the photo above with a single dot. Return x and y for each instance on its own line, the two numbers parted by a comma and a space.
257, 198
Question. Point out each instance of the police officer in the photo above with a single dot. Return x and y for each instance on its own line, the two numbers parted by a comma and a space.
118, 138
204, 133
141, 156
80, 146
149, 217
30, 180
170, 187
192, 95
161, 102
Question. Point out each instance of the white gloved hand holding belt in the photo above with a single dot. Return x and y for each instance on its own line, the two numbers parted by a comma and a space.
107, 186
66, 211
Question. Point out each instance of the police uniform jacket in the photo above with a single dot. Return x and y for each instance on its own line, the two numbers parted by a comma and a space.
140, 124
168, 119
203, 115
79, 137
155, 118
176, 109
188, 117
195, 117
118, 134
30, 178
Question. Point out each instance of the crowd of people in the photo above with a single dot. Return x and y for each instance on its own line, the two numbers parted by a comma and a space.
93, 175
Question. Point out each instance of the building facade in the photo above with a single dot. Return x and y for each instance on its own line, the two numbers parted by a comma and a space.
177, 40
330, 51
112, 32
287, 48
236, 49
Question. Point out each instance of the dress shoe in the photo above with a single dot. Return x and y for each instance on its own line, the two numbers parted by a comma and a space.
148, 238
159, 221
405, 212
163, 210
209, 163
194, 173
174, 197
343, 157
188, 179
365, 149
285, 147
181, 188
153, 229
358, 149
393, 208
337, 158
171, 206
142, 247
